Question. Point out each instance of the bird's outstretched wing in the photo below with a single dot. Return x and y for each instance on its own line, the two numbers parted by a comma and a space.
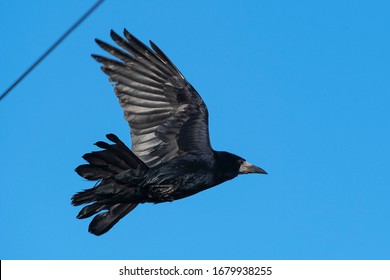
167, 117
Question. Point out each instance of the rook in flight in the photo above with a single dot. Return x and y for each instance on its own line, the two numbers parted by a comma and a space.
171, 156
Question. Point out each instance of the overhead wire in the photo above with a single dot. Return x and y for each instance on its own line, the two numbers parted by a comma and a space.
53, 46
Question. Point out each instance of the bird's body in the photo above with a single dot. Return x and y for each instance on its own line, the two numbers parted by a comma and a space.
195, 174
171, 156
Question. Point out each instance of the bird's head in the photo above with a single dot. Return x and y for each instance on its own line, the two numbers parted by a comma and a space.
230, 165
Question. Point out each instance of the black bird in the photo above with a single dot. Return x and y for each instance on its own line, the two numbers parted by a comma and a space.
171, 155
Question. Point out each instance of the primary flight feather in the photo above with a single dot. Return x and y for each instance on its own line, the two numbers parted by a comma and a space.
171, 156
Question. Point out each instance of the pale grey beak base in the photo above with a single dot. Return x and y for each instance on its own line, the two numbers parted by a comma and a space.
246, 168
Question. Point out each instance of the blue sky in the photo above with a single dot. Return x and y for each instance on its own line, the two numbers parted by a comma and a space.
299, 88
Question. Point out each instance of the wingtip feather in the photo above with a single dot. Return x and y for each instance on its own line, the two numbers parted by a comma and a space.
112, 137
115, 36
98, 58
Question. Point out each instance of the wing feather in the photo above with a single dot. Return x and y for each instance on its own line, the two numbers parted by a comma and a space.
166, 115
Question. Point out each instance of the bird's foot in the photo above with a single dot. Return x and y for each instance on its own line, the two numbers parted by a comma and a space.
162, 193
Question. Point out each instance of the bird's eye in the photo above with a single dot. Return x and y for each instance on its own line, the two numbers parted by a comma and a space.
240, 161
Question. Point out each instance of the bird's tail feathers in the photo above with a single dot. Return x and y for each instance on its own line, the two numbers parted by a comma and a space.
102, 166
103, 222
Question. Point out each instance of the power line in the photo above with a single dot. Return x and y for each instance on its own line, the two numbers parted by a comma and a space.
45, 54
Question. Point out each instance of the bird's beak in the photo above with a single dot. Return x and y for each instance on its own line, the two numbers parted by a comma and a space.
246, 168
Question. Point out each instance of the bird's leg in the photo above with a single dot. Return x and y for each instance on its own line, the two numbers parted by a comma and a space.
161, 193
